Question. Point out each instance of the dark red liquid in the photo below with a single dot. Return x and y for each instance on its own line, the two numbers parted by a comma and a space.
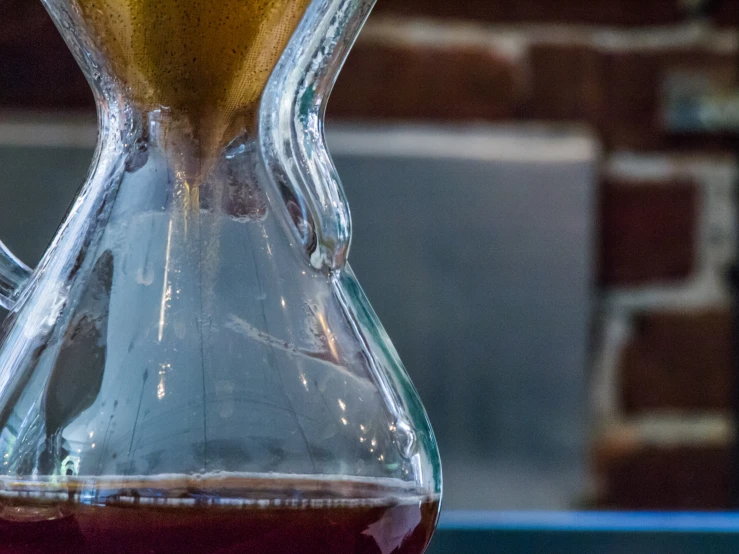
385, 523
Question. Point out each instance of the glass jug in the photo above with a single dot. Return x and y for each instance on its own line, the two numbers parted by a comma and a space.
193, 367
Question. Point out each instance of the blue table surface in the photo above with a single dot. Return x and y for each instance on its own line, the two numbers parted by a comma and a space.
462, 532
682, 522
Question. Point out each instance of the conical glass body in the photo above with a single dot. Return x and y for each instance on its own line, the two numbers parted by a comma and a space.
194, 342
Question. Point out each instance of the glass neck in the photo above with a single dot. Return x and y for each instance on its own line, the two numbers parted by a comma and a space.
190, 145
204, 91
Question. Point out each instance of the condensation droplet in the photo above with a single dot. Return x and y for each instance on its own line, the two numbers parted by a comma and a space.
144, 276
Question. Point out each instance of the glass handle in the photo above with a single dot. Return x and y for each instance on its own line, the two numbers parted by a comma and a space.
13, 276
292, 135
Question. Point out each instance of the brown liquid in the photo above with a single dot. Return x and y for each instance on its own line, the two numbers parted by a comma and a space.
235, 515
206, 61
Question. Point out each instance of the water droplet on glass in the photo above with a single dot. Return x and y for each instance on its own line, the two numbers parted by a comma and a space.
145, 276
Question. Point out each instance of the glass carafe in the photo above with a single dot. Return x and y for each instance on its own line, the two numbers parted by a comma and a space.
193, 367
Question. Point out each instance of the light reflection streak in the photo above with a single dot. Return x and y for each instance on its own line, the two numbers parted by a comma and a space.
166, 289
330, 339
161, 390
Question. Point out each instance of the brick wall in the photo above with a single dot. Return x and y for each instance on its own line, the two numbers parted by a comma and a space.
662, 377
662, 373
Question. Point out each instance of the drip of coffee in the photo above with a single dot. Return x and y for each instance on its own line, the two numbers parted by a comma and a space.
217, 514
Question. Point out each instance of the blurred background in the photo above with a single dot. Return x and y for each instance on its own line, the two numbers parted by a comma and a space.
543, 194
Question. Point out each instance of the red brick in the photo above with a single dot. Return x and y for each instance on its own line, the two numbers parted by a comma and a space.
566, 83
601, 12
678, 361
42, 78
633, 96
639, 477
408, 81
648, 231
36, 68
727, 12
620, 92
26, 23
